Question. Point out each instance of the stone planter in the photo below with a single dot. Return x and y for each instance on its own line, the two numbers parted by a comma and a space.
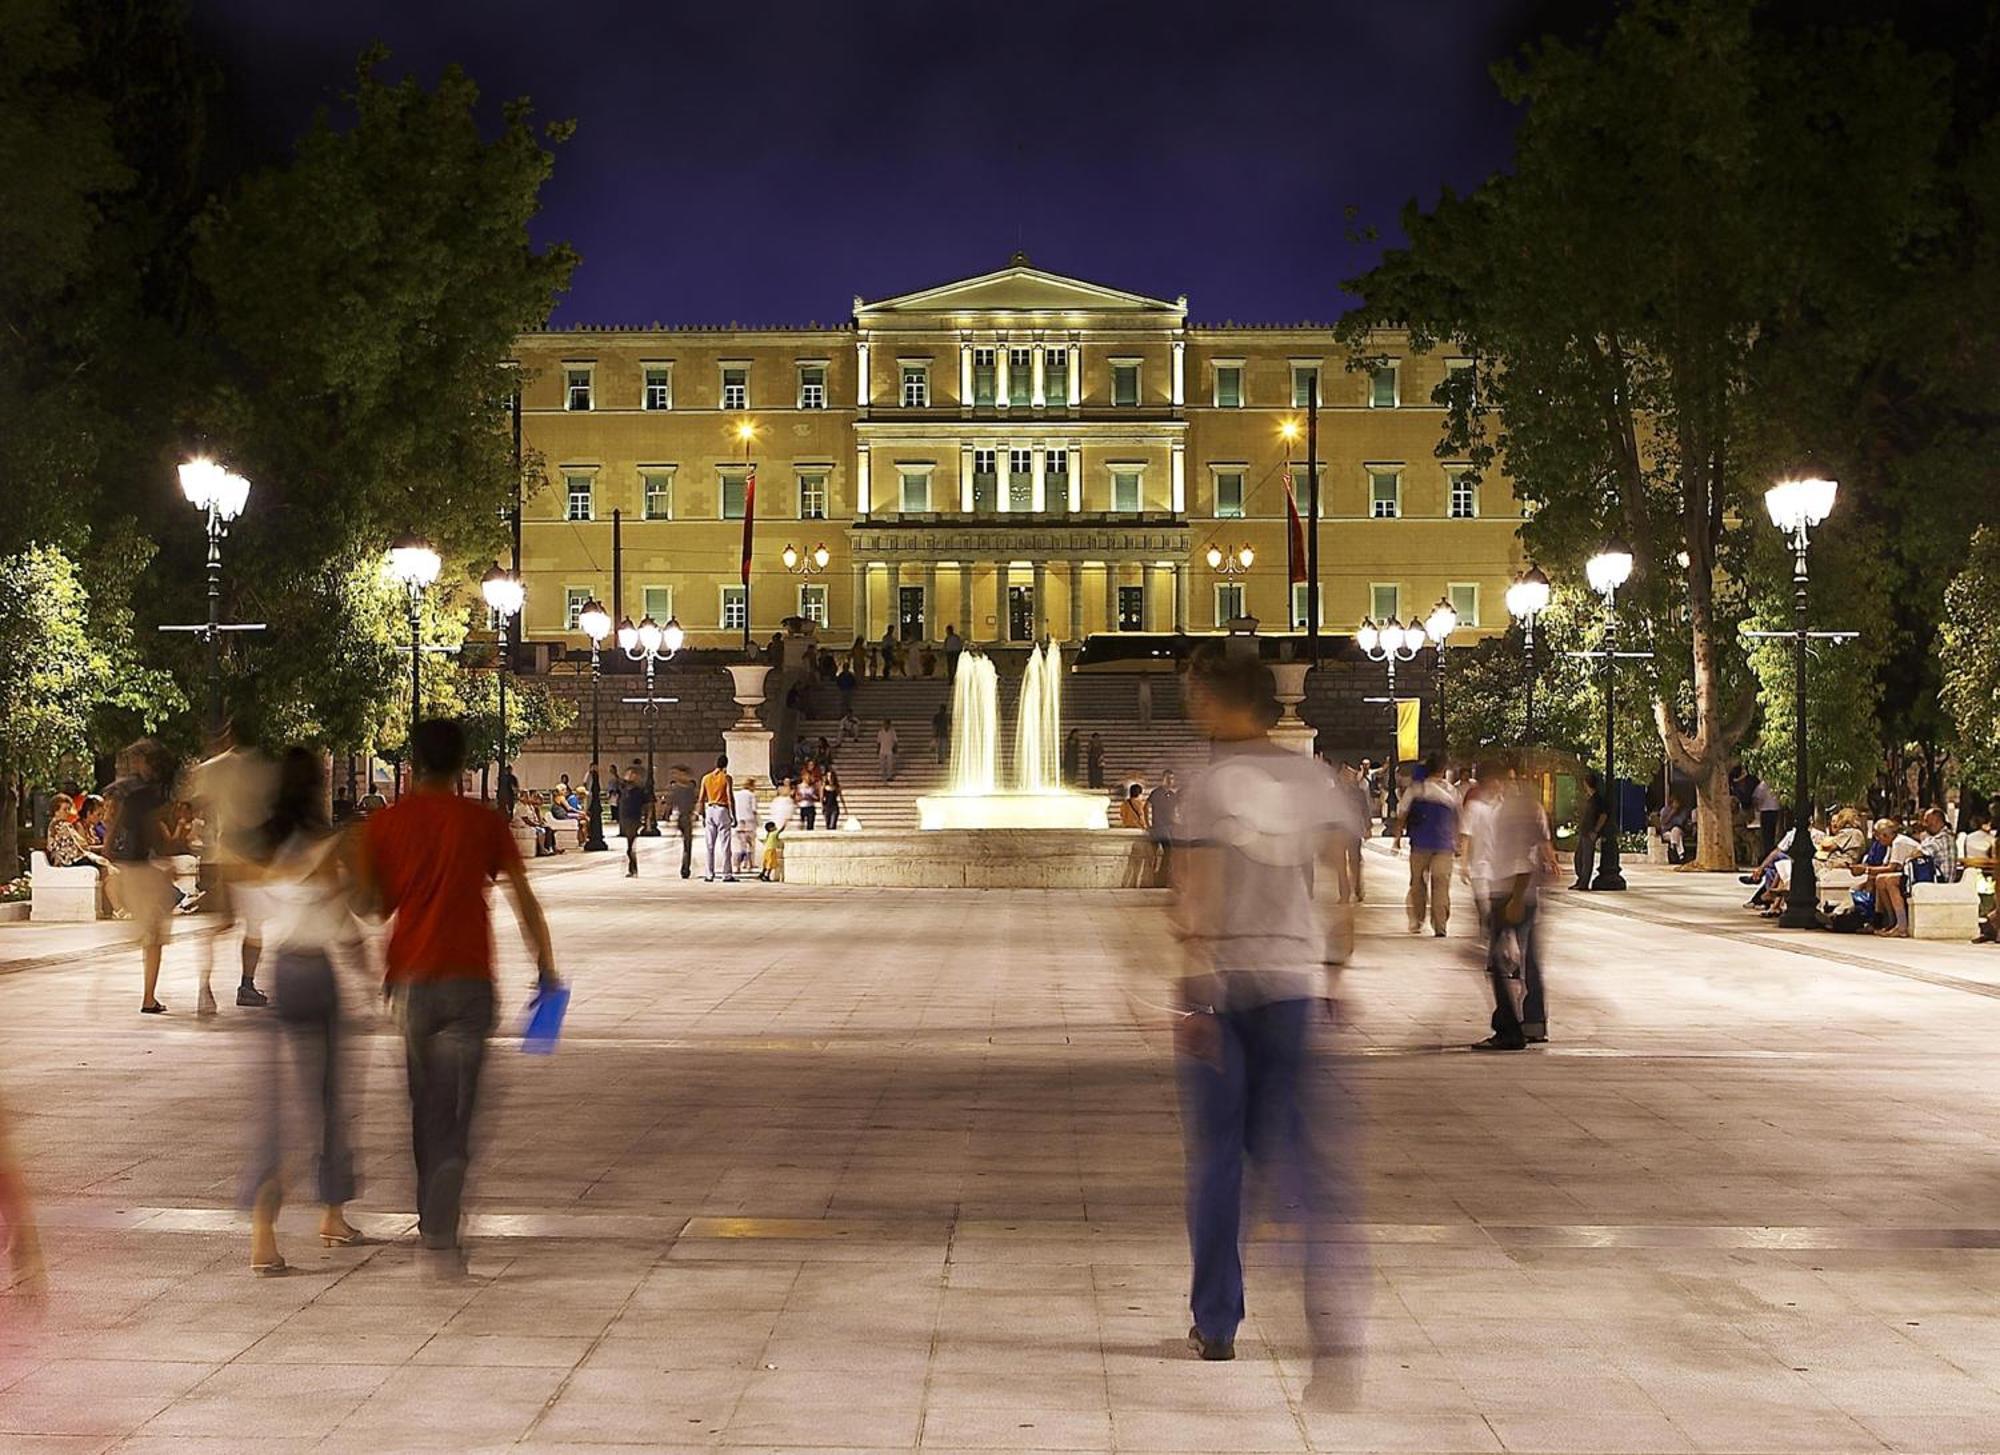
749, 687
13, 910
1292, 731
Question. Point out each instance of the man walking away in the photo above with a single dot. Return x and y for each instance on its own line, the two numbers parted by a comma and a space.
953, 645
1161, 806
633, 805
1430, 817
132, 842
717, 801
885, 751
680, 808
234, 789
941, 732
1518, 857
1590, 821
427, 862
1254, 1009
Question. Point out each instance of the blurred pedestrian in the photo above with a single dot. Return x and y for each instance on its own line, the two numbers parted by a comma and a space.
717, 801
885, 751
1591, 820
140, 888
1072, 756
1145, 695
234, 787
1255, 1001
1132, 808
306, 891
17, 1220
830, 797
954, 644
680, 811
1351, 782
1520, 857
743, 843
1096, 761
1162, 804
1430, 818
635, 801
428, 862
941, 732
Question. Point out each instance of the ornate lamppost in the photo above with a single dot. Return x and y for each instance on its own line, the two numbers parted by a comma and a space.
1527, 599
650, 643
505, 596
1609, 569
219, 495
1438, 626
596, 624
1390, 643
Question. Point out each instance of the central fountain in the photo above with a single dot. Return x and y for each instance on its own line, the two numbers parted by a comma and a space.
1038, 799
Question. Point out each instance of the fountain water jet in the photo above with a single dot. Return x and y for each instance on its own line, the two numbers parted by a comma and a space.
1039, 801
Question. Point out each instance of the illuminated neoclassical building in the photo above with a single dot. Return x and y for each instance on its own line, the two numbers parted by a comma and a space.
1016, 454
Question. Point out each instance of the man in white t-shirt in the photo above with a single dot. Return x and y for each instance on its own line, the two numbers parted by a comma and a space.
746, 827
1887, 879
1519, 857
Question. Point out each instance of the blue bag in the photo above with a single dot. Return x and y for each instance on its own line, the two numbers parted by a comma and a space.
545, 1018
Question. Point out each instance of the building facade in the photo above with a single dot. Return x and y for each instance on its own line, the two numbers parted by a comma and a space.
1014, 455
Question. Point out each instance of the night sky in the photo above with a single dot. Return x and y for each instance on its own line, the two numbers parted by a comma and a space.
764, 162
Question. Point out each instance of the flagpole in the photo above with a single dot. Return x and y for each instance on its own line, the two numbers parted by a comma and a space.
743, 433
1312, 527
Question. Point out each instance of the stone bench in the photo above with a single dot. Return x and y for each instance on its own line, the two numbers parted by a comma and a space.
1945, 911
63, 895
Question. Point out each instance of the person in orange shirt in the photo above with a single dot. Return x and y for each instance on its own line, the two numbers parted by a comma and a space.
426, 863
716, 802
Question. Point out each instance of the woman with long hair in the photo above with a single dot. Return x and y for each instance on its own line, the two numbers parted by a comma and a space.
306, 891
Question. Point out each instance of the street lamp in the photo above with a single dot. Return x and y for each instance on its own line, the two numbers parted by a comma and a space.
1609, 569
1439, 626
504, 595
805, 566
1233, 562
415, 565
1797, 506
1392, 642
596, 624
651, 643
1527, 599
220, 496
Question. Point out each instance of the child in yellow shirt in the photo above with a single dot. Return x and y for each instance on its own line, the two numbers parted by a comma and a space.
774, 854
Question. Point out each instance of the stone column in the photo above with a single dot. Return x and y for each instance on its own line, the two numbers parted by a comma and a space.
861, 381
931, 632
1041, 589
1177, 479
1075, 371
1000, 369
965, 373
862, 488
1181, 596
1040, 456
861, 600
1076, 601
1179, 396
895, 607
965, 601
1111, 596
965, 478
1038, 396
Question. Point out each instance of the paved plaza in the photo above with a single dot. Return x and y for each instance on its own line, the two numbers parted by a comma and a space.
842, 1169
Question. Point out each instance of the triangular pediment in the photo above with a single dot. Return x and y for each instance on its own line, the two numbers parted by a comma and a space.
1019, 288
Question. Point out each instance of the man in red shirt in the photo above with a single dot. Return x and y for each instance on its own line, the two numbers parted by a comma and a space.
428, 861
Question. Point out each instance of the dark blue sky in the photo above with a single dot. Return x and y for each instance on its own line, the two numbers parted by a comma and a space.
764, 162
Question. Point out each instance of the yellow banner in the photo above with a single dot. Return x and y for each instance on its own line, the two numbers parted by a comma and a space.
1409, 715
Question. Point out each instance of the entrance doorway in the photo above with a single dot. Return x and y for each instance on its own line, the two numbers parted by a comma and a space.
1020, 613
1131, 608
910, 613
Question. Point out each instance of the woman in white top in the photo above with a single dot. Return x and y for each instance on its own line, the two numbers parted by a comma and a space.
305, 890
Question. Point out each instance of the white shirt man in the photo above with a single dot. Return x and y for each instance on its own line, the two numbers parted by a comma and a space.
747, 824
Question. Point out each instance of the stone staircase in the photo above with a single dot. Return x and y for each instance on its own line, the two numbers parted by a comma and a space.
1102, 703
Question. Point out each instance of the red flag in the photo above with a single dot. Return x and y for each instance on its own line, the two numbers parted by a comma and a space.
1295, 533
749, 518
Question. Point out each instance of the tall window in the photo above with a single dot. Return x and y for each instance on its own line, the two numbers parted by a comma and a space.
736, 388
1305, 384
576, 387
1125, 384
812, 604
733, 490
1020, 480
1055, 375
985, 479
1299, 606
1228, 602
983, 372
1464, 598
1229, 494
812, 386
658, 489
575, 598
1020, 376
1055, 479
916, 386
659, 387
812, 497
1385, 494
916, 491
1228, 386
582, 492
658, 603
1383, 392
1385, 601
1457, 369
1125, 490
734, 608
1464, 495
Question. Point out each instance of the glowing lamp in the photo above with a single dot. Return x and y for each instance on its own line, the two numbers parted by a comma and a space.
1529, 595
594, 621
1609, 569
1800, 504
413, 562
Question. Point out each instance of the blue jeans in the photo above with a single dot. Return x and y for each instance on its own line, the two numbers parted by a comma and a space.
1272, 1102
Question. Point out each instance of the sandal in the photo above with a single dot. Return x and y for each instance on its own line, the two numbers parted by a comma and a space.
156, 1008
274, 1269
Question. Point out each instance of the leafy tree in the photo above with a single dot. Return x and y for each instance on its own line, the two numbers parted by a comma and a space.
531, 709
1704, 222
1969, 650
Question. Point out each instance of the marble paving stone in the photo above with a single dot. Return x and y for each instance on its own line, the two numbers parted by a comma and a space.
824, 1169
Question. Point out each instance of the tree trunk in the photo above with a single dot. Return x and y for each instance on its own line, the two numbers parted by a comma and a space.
1714, 820
10, 825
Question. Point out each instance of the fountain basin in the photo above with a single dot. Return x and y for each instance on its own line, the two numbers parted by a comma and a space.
975, 859
1011, 811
